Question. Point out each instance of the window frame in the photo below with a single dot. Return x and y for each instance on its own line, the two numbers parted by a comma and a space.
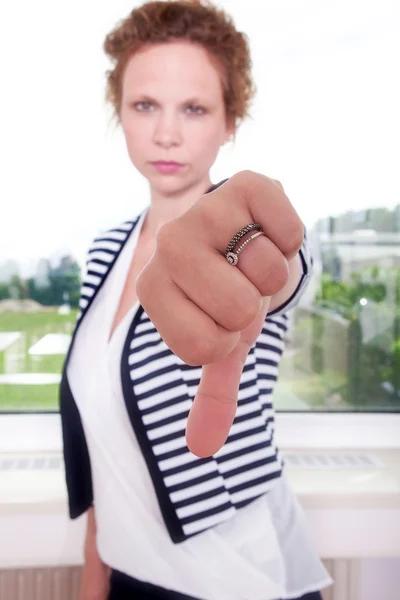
41, 431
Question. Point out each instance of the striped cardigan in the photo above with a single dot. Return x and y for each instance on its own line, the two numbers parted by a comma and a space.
158, 387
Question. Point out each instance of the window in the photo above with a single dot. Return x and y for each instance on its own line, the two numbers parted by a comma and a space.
344, 342
325, 123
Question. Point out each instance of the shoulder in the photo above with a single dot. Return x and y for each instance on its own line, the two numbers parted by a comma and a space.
118, 233
101, 255
113, 238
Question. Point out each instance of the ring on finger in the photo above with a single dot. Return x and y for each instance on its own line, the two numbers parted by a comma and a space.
233, 257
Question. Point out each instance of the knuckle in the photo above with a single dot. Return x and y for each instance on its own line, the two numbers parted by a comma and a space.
163, 235
277, 278
142, 285
201, 351
278, 184
243, 180
250, 186
242, 311
169, 242
294, 240
246, 175
205, 216
251, 311
210, 347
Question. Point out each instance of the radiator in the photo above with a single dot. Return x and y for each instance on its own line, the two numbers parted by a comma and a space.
63, 583
346, 577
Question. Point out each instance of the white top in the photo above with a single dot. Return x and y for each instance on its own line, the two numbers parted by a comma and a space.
263, 553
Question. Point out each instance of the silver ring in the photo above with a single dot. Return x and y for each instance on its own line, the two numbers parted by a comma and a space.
233, 257
238, 236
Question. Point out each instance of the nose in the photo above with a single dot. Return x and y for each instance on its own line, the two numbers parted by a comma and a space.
167, 131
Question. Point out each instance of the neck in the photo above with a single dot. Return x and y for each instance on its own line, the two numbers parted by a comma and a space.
166, 207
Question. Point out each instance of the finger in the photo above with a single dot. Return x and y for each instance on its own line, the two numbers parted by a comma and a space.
229, 295
257, 199
264, 265
187, 330
214, 407
215, 404
278, 183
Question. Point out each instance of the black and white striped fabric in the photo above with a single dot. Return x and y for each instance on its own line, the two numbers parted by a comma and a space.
101, 257
201, 493
194, 493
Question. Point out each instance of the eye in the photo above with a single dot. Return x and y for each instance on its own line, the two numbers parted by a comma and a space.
142, 106
197, 110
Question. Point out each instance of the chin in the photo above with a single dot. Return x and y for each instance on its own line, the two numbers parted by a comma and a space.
168, 183
170, 187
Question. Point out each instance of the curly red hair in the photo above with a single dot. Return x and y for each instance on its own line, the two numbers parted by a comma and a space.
197, 21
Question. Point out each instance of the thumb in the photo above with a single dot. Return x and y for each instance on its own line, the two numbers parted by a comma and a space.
215, 404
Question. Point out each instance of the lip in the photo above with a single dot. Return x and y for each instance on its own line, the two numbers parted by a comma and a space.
167, 166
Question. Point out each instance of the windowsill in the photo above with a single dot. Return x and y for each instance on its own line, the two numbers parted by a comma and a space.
351, 513
38, 492
41, 432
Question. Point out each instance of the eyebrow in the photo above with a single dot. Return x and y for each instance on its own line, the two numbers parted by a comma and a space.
193, 100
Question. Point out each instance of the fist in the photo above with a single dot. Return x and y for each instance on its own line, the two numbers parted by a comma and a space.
209, 312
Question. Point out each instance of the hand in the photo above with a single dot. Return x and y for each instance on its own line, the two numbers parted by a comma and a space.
209, 312
95, 582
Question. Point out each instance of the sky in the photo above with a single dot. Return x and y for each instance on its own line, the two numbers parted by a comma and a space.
325, 119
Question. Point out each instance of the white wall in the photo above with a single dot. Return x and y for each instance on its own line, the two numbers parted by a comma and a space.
326, 120
380, 579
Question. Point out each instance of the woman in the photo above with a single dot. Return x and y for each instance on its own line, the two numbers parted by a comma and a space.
219, 522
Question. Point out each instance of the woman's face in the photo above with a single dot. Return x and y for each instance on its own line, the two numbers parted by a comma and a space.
172, 109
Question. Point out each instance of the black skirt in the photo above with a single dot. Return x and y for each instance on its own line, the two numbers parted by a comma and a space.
124, 587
